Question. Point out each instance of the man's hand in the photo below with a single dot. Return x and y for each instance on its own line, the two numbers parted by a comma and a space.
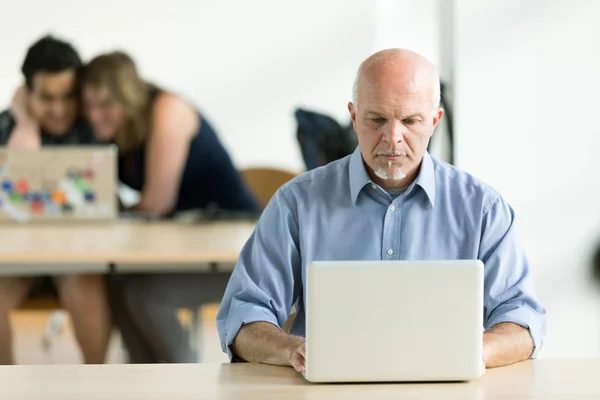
26, 134
298, 358
18, 105
24, 137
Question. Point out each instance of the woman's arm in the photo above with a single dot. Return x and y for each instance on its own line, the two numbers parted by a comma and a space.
173, 124
26, 134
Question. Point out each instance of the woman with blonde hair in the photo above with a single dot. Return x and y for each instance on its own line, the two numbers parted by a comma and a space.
172, 155
167, 150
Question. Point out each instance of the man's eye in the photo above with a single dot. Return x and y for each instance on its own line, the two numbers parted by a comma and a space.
410, 121
378, 120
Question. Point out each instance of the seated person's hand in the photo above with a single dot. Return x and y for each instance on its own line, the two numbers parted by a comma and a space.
26, 134
24, 138
18, 105
298, 358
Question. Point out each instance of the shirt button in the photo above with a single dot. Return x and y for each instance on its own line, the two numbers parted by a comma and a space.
390, 252
392, 208
374, 186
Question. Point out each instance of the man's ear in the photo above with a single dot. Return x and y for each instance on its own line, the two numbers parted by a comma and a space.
437, 116
352, 110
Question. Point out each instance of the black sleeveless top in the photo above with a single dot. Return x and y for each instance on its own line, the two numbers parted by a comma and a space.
209, 178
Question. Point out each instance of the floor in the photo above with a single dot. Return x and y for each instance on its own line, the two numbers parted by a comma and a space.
29, 327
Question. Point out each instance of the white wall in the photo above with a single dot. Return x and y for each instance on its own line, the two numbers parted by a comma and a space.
410, 24
526, 99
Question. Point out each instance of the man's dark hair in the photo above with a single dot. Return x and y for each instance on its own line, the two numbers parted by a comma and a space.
49, 55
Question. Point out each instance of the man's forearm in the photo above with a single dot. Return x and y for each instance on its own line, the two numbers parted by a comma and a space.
505, 344
263, 342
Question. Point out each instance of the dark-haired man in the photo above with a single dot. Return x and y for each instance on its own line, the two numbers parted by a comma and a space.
50, 95
50, 70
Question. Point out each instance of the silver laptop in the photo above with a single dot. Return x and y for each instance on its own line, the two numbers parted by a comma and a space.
392, 321
59, 184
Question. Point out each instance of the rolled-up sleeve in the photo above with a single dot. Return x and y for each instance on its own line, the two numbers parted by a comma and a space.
266, 280
509, 294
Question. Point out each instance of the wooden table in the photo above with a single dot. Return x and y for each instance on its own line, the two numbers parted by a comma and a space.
541, 379
131, 245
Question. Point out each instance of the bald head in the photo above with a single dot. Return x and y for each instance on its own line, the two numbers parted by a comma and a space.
403, 70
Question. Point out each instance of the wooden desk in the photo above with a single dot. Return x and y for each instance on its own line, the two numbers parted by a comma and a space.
541, 379
134, 244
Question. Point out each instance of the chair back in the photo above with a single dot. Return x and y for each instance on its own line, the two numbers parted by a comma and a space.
264, 182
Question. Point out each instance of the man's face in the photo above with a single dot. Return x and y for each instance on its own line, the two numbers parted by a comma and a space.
53, 101
394, 123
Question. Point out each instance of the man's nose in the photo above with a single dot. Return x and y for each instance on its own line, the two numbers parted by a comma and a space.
58, 108
395, 134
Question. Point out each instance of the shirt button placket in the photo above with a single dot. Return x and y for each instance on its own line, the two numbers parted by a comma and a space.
390, 233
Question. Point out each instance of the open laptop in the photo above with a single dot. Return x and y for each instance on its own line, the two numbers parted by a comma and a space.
393, 321
58, 184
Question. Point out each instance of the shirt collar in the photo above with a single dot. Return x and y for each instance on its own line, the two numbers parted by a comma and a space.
426, 178
359, 177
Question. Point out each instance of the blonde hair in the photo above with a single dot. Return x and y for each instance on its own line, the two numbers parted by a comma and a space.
116, 76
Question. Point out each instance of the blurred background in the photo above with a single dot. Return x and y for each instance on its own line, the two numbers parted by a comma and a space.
521, 78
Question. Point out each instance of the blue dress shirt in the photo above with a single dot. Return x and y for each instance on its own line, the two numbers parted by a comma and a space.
336, 212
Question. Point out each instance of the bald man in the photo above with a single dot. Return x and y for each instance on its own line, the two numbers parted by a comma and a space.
389, 200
